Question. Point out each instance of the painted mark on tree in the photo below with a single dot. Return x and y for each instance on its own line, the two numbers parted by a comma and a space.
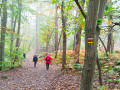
90, 40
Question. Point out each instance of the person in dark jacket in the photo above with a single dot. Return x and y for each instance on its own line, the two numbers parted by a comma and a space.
24, 55
35, 59
48, 61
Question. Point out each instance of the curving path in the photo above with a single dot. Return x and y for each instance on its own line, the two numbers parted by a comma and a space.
29, 77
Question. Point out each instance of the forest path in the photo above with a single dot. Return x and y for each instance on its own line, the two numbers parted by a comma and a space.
29, 77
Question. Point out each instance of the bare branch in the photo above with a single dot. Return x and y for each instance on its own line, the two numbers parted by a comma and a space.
79, 6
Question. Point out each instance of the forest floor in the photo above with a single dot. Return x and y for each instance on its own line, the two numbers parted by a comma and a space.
38, 78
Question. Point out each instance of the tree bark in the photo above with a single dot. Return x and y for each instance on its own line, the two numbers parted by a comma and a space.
100, 16
12, 37
77, 45
90, 48
109, 43
1, 7
78, 40
99, 70
56, 27
58, 44
104, 46
110, 34
75, 31
13, 25
48, 40
18, 32
80, 8
36, 34
3, 31
64, 36
74, 39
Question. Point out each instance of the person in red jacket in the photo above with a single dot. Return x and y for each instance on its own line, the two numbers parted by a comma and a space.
48, 61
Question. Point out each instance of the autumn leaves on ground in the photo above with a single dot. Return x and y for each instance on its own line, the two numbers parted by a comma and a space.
31, 78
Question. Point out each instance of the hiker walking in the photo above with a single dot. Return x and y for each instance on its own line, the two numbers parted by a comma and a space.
35, 59
24, 55
48, 61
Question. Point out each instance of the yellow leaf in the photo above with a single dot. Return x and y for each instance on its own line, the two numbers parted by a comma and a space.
81, 25
104, 88
70, 18
58, 7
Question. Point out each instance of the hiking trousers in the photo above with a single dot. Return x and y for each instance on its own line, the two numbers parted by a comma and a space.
47, 66
35, 62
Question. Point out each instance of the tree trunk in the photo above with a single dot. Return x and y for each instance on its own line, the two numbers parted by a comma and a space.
112, 46
90, 47
56, 27
58, 44
77, 45
48, 40
3, 31
13, 25
104, 47
110, 35
109, 43
78, 40
74, 39
36, 34
64, 36
12, 37
19, 24
100, 16
99, 70
1, 7
47, 46
37, 27
75, 30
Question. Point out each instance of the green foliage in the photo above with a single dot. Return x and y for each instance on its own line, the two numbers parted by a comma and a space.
81, 2
117, 80
77, 66
118, 62
102, 88
54, 1
109, 80
5, 76
117, 68
107, 7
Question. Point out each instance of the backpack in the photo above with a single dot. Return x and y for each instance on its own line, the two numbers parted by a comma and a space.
48, 58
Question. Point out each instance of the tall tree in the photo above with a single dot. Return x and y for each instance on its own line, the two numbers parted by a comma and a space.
13, 25
19, 24
90, 47
78, 38
58, 44
77, 44
0, 7
64, 35
49, 35
56, 28
110, 36
12, 35
3, 31
75, 30
100, 17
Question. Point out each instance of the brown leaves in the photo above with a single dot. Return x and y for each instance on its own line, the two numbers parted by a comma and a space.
58, 7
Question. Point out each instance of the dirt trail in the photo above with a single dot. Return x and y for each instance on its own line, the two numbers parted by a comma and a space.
29, 77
